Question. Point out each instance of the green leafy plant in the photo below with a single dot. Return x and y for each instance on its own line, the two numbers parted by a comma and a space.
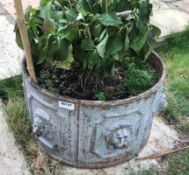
138, 79
99, 35
101, 96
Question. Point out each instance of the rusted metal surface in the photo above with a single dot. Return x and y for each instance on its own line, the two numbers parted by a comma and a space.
93, 134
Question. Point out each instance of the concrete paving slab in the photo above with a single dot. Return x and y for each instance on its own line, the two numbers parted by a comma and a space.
2, 12
170, 21
10, 54
158, 4
9, 5
12, 161
181, 5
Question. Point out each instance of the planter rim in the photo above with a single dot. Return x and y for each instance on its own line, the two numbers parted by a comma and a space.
142, 95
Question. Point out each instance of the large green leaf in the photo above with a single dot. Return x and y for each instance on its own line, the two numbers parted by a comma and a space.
49, 25
97, 29
42, 59
102, 35
52, 48
141, 26
138, 42
115, 44
155, 31
71, 14
34, 20
28, 12
47, 10
101, 47
84, 7
66, 64
87, 44
146, 51
93, 59
18, 36
145, 9
126, 42
44, 2
69, 32
45, 41
62, 51
109, 19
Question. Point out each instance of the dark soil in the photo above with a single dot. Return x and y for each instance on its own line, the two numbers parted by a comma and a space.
83, 85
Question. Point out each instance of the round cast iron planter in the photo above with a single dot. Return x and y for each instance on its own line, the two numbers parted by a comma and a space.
93, 134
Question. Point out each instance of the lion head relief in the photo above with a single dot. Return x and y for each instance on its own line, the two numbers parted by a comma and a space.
119, 137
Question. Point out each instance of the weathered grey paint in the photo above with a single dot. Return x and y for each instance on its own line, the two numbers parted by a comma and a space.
93, 134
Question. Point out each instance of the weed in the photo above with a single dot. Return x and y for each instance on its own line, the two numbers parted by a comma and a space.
138, 80
101, 96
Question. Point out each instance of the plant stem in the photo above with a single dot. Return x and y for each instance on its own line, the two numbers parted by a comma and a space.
106, 4
89, 32
70, 4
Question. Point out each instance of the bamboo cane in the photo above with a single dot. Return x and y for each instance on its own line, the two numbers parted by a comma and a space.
25, 39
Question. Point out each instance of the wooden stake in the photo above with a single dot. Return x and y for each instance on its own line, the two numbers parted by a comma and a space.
157, 155
25, 39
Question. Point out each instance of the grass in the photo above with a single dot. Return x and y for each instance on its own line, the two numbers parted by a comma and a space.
179, 164
176, 56
11, 87
11, 92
